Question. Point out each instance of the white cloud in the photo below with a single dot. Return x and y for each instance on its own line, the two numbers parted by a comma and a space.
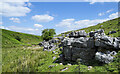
114, 15
38, 25
36, 29
16, 20
21, 29
2, 27
101, 14
87, 23
42, 18
14, 8
108, 11
71, 24
25, 30
66, 22
94, 1
29, 4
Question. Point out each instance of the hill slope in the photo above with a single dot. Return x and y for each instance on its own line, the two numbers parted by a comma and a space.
13, 39
33, 59
111, 25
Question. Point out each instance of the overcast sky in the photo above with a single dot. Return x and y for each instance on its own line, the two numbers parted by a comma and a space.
33, 17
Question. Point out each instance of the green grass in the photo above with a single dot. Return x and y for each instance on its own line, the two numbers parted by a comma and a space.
18, 54
29, 60
15, 39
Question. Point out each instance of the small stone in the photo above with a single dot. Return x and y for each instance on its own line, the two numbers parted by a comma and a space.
111, 32
53, 52
101, 25
64, 69
50, 66
56, 65
69, 64
61, 64
54, 58
89, 67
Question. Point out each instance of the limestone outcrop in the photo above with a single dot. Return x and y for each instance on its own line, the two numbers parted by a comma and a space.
49, 45
78, 45
85, 46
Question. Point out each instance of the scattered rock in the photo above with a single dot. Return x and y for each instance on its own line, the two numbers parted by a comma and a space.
61, 55
69, 64
53, 52
89, 67
64, 69
105, 57
56, 65
101, 26
50, 66
54, 58
61, 64
50, 46
67, 35
111, 32
60, 37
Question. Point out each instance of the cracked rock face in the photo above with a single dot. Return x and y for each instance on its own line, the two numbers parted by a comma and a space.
78, 45
81, 33
105, 57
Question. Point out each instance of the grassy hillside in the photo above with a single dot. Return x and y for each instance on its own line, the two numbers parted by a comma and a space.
13, 39
17, 58
111, 25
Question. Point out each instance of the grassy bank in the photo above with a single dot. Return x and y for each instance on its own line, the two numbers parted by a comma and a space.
15, 39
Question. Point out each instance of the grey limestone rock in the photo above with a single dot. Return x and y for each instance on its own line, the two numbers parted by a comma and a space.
105, 57
85, 48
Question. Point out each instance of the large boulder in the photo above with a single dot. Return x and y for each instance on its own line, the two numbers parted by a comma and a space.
85, 48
